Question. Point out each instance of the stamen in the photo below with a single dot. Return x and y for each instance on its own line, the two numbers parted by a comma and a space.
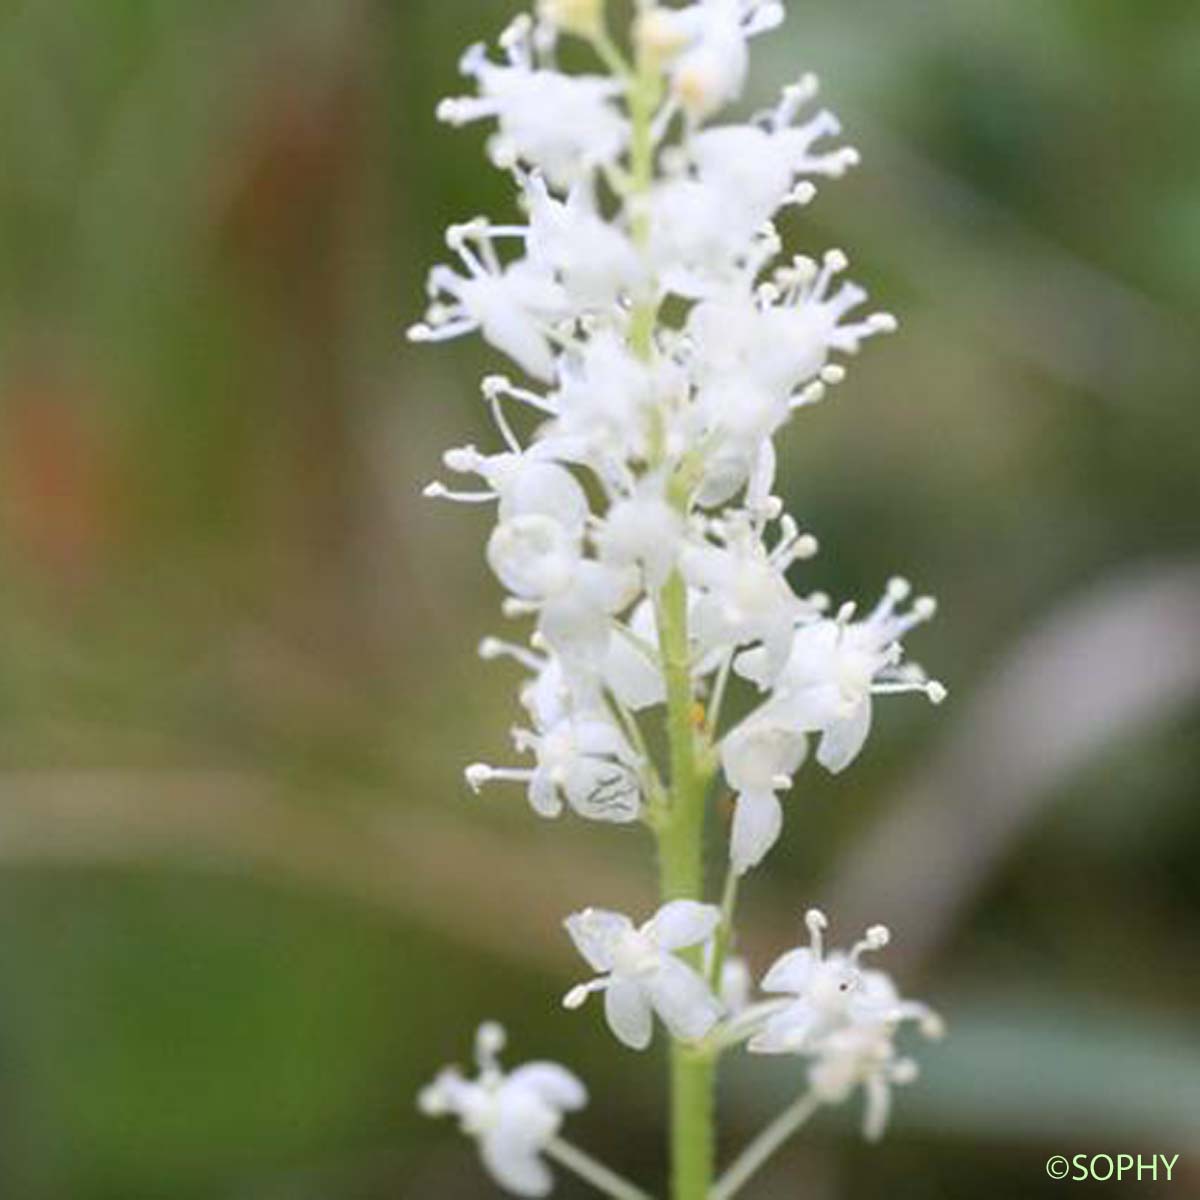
466, 460
510, 438
932, 1026
804, 193
874, 939
578, 995
439, 491
492, 648
512, 607
479, 774
817, 922
489, 1041
812, 393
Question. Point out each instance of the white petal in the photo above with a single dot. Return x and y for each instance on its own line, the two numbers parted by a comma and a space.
760, 750
845, 738
518, 336
543, 795
553, 1084
628, 1013
754, 665
683, 1000
878, 1108
786, 1032
604, 791
791, 972
545, 489
515, 1165
681, 923
757, 822
595, 932
631, 675
601, 737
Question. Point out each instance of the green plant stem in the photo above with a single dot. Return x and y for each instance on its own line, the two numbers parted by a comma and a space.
592, 1171
762, 1147
724, 933
681, 828
681, 864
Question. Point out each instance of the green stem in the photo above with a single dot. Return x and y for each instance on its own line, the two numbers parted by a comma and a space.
763, 1146
681, 829
592, 1171
681, 863
725, 930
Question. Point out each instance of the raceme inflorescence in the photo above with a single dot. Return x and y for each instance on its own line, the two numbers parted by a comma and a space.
661, 340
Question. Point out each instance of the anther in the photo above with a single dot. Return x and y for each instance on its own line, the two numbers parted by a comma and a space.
476, 775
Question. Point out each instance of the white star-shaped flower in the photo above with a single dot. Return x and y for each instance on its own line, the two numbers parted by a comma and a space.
511, 1115
832, 991
835, 667
641, 974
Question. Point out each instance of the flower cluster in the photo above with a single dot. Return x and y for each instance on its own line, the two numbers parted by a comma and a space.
660, 343
843, 1018
839, 1016
643, 449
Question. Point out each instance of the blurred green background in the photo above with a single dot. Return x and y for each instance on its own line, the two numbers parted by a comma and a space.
246, 905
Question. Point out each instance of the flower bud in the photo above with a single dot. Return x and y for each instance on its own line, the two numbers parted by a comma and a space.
582, 17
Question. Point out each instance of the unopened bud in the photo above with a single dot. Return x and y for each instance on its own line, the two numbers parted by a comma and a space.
582, 17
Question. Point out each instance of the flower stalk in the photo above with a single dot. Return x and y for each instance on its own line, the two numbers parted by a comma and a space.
664, 345
681, 868
759, 1151
606, 1181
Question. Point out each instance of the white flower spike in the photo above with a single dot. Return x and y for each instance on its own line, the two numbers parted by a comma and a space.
662, 340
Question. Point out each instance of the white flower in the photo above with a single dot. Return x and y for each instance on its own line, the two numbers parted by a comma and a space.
862, 1055
564, 125
780, 339
605, 399
535, 555
541, 562
744, 595
512, 1116
594, 261
582, 759
831, 992
755, 167
759, 759
696, 242
512, 307
836, 666
525, 483
710, 218
631, 669
643, 530
547, 697
711, 70
642, 975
